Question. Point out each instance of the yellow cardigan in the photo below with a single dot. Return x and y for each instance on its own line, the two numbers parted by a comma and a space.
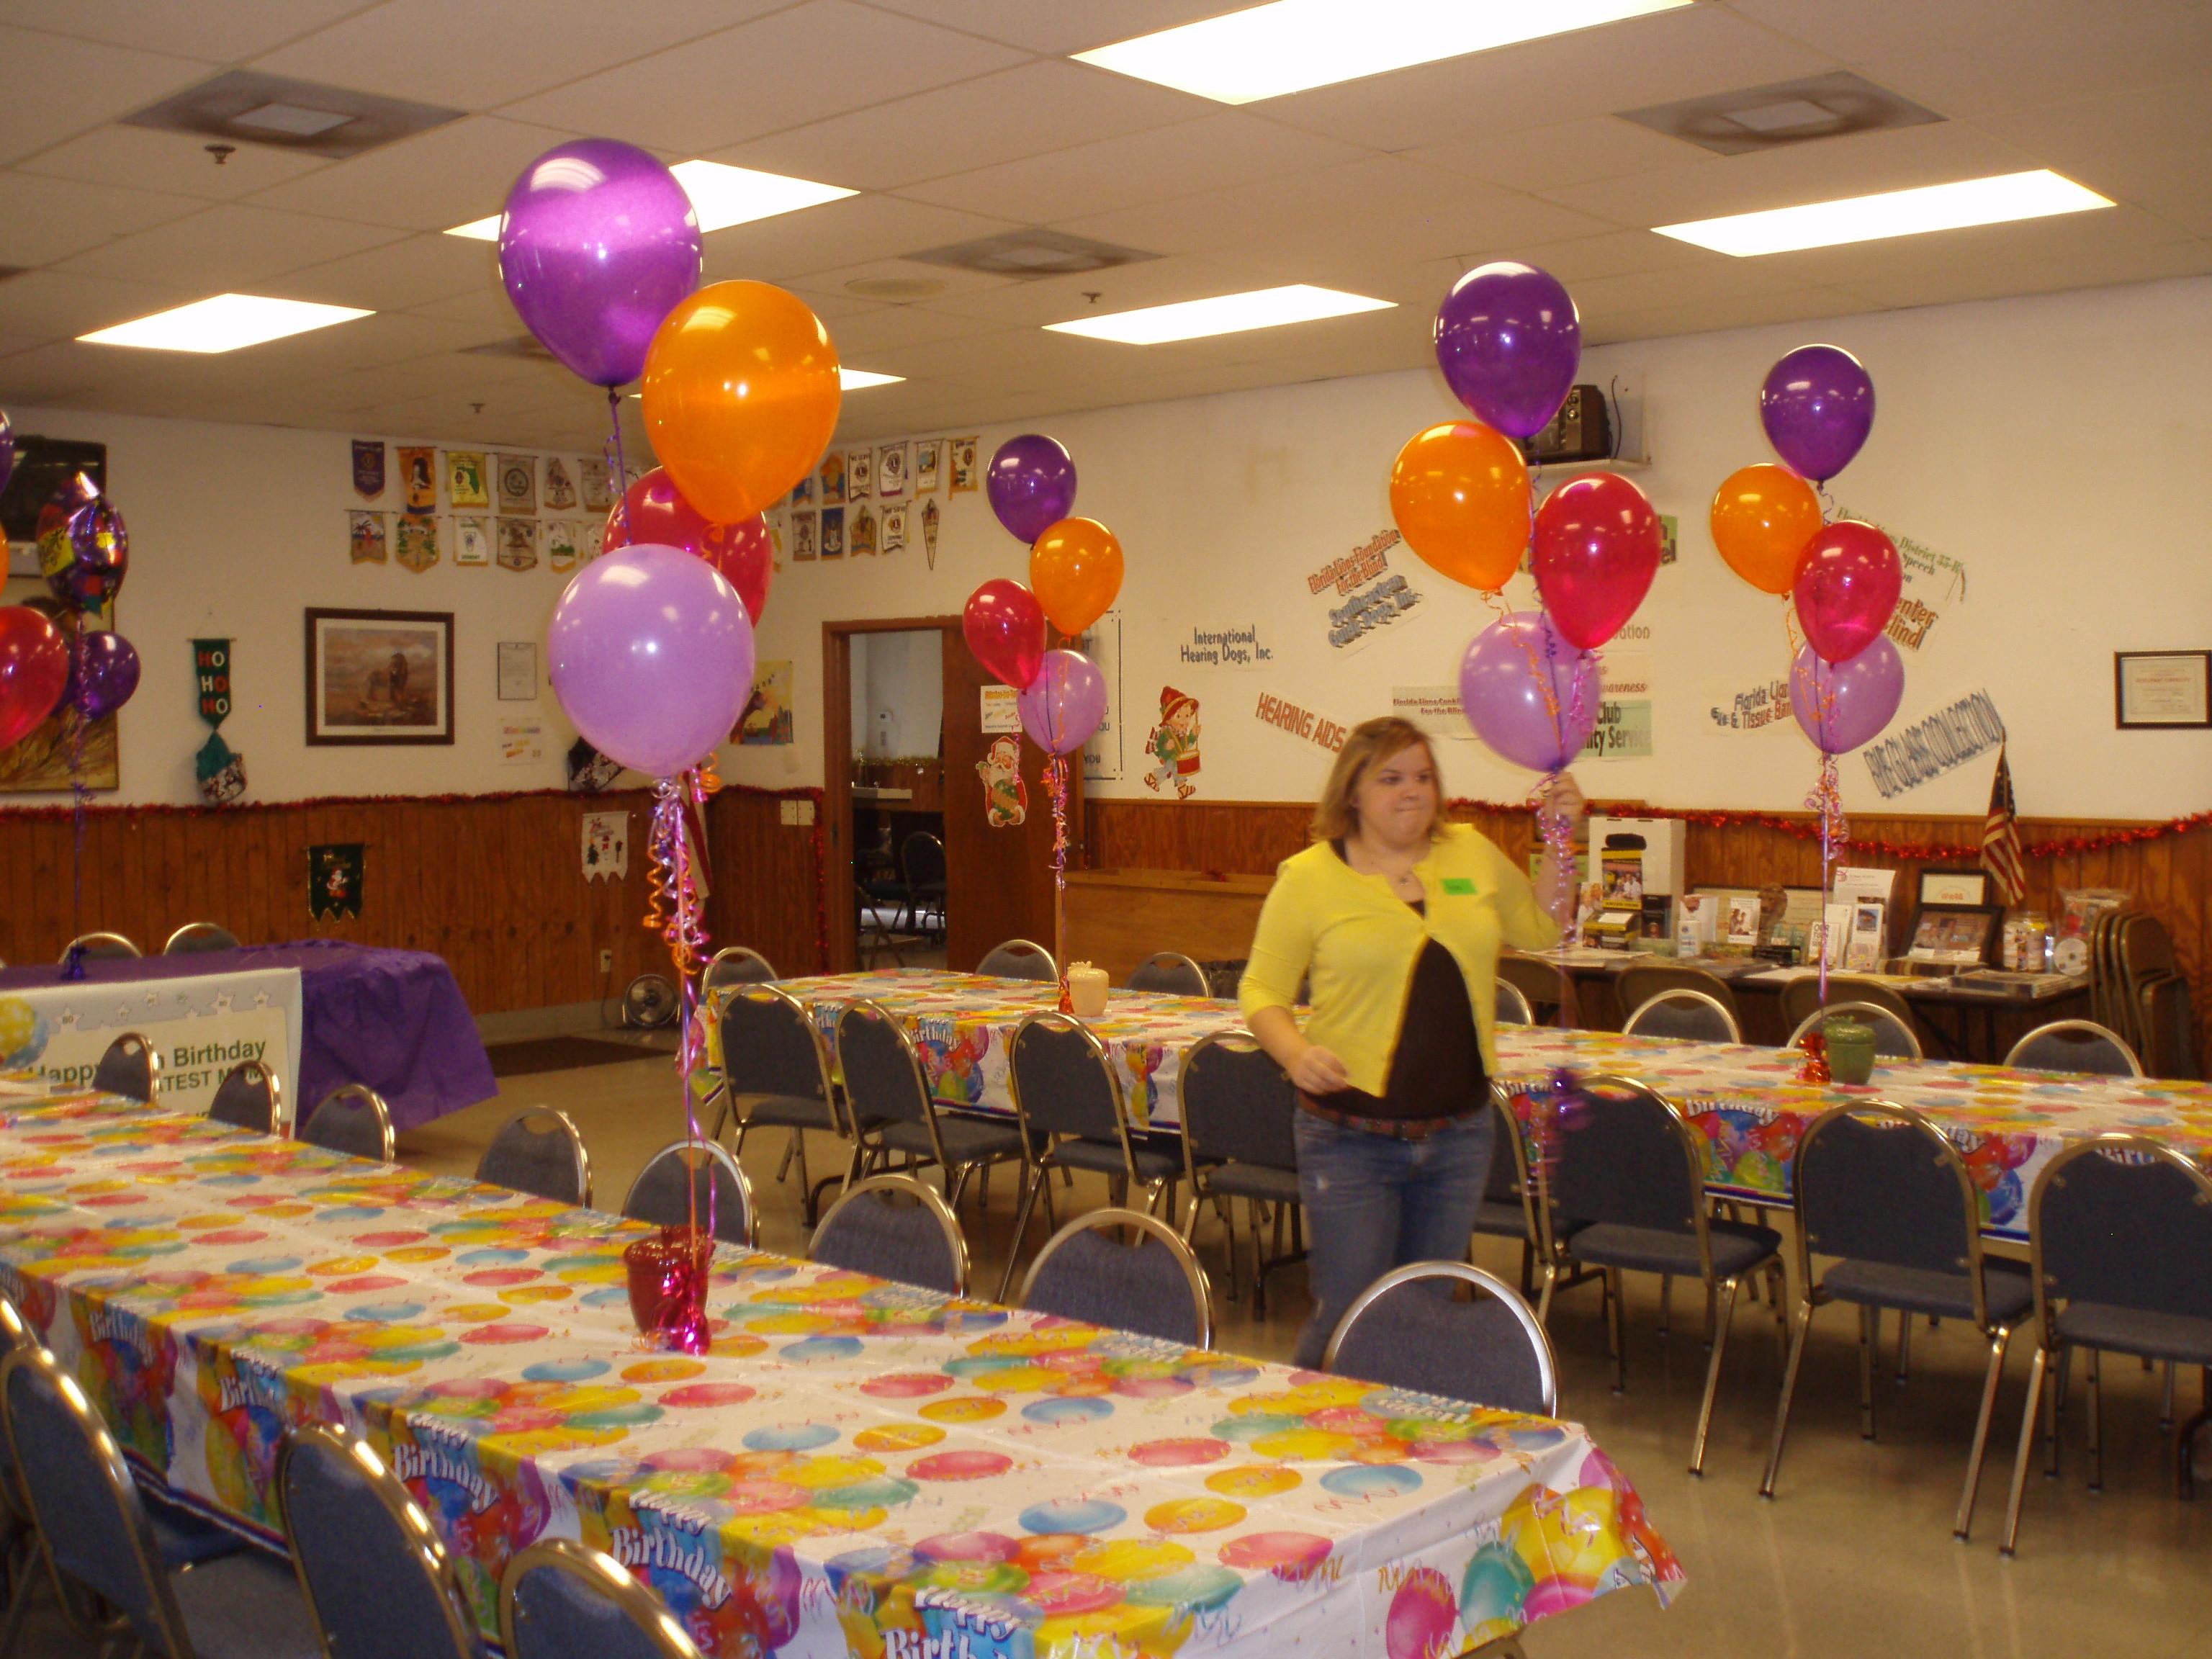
1358, 941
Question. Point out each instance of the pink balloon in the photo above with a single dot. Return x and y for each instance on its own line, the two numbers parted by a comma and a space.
1597, 549
1502, 691
1843, 705
1063, 705
1005, 626
1847, 583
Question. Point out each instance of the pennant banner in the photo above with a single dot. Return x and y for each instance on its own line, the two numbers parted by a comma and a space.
367, 468
335, 873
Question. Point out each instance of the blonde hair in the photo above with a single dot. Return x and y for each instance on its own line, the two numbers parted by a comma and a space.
1366, 746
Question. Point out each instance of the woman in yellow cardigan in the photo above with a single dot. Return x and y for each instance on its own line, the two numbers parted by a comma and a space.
1395, 915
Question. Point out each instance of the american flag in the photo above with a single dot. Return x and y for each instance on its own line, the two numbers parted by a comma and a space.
2001, 854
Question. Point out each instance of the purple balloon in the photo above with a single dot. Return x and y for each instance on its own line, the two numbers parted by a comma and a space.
1817, 406
1502, 691
1842, 705
652, 657
597, 243
1508, 341
1063, 705
103, 673
99, 557
7, 450
1031, 483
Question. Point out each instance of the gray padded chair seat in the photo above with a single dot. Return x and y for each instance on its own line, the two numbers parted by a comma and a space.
788, 1112
1103, 1158
1495, 1218
2009, 1291
967, 1140
1738, 1246
2138, 1331
1260, 1181
248, 1604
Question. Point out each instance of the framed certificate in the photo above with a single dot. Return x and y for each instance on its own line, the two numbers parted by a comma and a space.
2156, 689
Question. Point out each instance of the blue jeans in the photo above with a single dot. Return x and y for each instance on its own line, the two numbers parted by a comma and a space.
1374, 1202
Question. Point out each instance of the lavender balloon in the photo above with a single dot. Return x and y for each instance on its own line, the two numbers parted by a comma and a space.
103, 673
1817, 406
1843, 705
1508, 341
7, 450
1031, 483
1502, 691
652, 657
1063, 705
598, 241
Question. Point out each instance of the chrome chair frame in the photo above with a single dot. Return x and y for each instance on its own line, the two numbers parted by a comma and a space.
275, 1098
1511, 1141
1860, 1011
183, 940
89, 940
608, 1578
1201, 1289
840, 1124
1678, 996
1540, 978
1801, 997
2092, 1028
564, 1125
370, 1099
740, 956
424, 1542
120, 1047
1664, 976
956, 1174
1489, 1284
1173, 960
955, 1240
1812, 1296
1513, 1006
992, 956
715, 1153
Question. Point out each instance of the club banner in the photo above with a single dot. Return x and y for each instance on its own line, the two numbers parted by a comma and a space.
368, 468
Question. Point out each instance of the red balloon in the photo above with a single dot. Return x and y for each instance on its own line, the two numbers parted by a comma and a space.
1005, 626
1597, 549
35, 663
654, 511
1848, 580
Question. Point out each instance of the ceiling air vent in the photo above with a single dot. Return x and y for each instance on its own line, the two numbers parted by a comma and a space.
302, 116
897, 290
1787, 113
1032, 252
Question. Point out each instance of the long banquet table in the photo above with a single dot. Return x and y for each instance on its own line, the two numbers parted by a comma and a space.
857, 1467
1744, 1100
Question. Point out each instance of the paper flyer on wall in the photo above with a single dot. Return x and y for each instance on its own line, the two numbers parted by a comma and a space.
606, 845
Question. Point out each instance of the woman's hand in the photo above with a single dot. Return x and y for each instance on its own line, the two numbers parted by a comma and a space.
1563, 799
1318, 1072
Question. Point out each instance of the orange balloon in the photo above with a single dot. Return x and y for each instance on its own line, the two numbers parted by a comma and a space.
1762, 518
1075, 571
1459, 492
740, 395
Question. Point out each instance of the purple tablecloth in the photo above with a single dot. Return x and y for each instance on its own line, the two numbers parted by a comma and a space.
392, 1019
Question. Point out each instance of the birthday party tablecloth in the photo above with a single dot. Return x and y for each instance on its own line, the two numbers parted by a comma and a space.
857, 1467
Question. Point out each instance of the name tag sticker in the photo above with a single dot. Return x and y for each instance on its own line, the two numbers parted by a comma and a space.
1461, 885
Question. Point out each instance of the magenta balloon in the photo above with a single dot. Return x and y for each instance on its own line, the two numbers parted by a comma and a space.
598, 244
97, 547
1596, 550
1845, 704
1508, 341
1501, 682
652, 657
1031, 484
1848, 580
1063, 705
103, 673
1817, 406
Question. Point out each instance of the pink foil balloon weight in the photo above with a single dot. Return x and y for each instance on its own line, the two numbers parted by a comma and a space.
1005, 628
1063, 705
668, 1275
1848, 580
1596, 550
1529, 694
1844, 705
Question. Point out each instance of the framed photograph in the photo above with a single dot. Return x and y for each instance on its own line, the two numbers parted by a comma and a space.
380, 677
1962, 935
2161, 689
1953, 887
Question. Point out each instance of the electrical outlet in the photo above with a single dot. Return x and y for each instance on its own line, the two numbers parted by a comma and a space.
606, 961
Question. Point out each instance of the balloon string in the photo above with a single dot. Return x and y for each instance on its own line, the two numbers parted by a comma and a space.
73, 717
621, 464
676, 887
1055, 778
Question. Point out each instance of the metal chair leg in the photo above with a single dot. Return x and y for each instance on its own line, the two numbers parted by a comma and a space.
1869, 1332
1904, 1345
1030, 1183
1259, 1257
2063, 1360
2094, 1401
1788, 1395
1998, 1341
1666, 1305
1616, 1334
2166, 1400
2020, 1457
1713, 1377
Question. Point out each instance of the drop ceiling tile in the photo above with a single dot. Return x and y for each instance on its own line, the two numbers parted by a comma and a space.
851, 231
2001, 250
51, 306
1033, 108
222, 249
861, 339
1717, 278
486, 52
1706, 316
2151, 148
141, 158
1060, 28
1611, 253
447, 176
1564, 153
815, 60
58, 87
216, 31
487, 308
947, 280
2037, 60
1223, 151
400, 276
1057, 299
46, 220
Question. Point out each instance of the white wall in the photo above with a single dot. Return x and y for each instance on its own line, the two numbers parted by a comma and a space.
2053, 445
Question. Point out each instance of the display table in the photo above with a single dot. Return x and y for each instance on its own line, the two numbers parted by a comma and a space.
856, 1466
392, 1019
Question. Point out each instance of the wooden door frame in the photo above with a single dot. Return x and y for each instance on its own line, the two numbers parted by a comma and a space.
837, 768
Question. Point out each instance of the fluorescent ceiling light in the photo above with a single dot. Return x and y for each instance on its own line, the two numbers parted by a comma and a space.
1267, 51
223, 323
1995, 201
1225, 314
292, 119
860, 380
721, 196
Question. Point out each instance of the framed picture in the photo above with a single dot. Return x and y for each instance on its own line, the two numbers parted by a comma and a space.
1962, 935
380, 677
2161, 689
1953, 887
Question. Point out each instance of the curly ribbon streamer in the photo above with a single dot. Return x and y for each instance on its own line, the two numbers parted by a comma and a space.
1056, 779
1828, 800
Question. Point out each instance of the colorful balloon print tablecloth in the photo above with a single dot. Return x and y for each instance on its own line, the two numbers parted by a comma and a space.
1750, 1110
857, 1468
